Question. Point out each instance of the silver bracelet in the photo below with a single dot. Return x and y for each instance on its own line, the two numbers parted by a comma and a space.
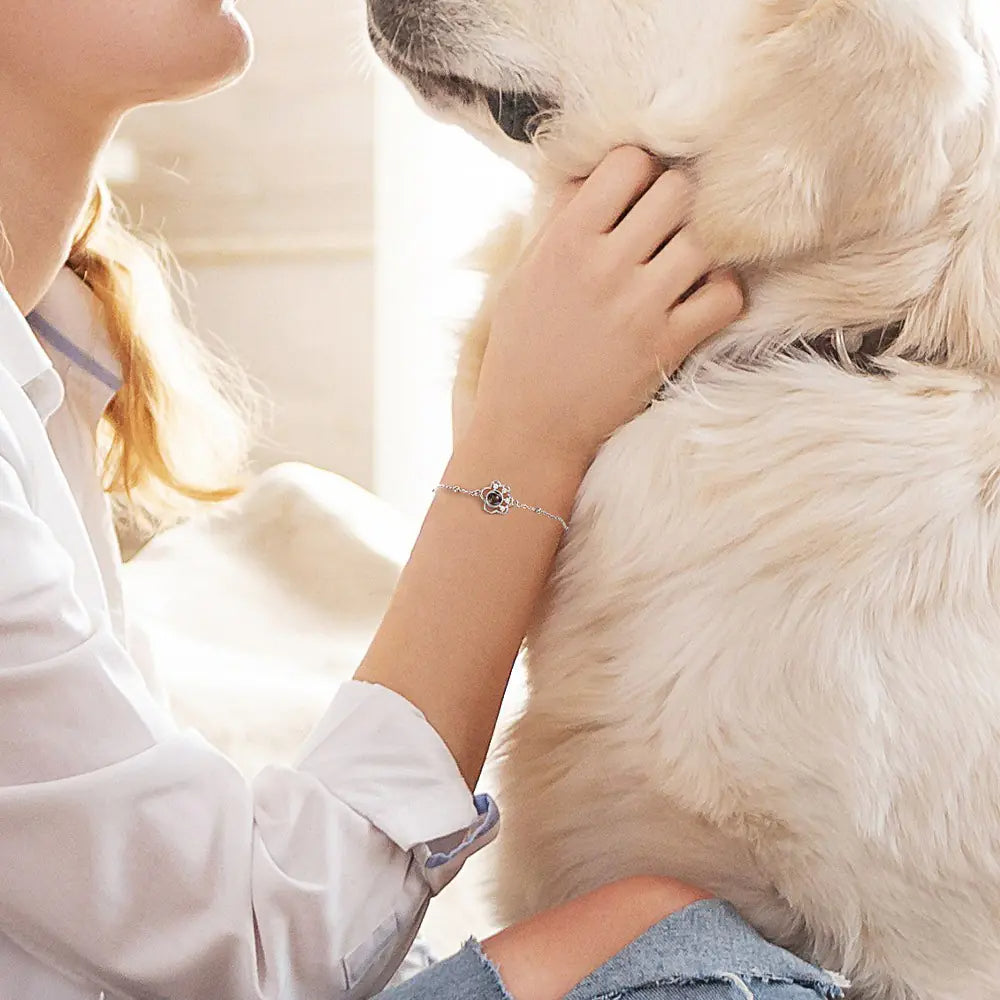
497, 499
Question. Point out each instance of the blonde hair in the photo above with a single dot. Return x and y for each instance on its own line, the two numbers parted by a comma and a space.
177, 431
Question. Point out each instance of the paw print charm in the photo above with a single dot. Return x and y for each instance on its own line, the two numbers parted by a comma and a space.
497, 498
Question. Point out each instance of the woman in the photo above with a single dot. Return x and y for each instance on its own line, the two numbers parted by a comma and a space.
137, 861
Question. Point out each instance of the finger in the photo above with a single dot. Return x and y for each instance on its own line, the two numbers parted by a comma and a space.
617, 183
655, 217
566, 192
717, 304
561, 200
678, 266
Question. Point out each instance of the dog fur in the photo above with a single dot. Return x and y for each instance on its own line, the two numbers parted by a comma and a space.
769, 658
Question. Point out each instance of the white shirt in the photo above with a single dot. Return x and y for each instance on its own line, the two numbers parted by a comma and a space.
137, 862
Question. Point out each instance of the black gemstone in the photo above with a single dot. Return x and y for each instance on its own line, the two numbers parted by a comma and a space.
494, 499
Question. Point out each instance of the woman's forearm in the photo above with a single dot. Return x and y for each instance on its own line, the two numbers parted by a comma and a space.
466, 597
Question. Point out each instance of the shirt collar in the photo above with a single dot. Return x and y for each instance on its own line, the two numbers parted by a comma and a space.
20, 352
69, 322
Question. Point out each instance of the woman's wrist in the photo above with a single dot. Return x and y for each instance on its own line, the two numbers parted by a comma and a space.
538, 473
471, 587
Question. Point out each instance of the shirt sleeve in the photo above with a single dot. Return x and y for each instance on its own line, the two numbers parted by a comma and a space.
139, 861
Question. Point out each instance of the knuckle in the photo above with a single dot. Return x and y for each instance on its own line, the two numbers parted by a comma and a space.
689, 245
690, 240
677, 187
634, 164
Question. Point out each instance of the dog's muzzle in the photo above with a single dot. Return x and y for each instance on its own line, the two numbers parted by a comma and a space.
398, 39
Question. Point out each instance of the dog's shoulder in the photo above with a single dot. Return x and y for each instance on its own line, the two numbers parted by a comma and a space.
805, 459
799, 544
779, 599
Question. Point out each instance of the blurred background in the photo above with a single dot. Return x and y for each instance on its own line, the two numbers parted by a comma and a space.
322, 221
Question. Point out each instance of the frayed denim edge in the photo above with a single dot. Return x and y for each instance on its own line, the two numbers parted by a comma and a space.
829, 991
494, 973
826, 990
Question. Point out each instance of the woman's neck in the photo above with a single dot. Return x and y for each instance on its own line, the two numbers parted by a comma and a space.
46, 173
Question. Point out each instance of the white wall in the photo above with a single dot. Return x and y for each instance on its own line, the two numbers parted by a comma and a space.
437, 194
302, 329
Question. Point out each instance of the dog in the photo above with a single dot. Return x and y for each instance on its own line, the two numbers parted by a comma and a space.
768, 661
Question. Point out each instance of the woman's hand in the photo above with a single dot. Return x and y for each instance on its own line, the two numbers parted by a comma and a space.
591, 321
597, 313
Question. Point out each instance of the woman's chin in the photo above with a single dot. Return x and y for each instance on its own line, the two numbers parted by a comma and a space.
236, 53
210, 68
243, 45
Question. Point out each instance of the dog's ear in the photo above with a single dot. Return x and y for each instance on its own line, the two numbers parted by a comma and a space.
841, 125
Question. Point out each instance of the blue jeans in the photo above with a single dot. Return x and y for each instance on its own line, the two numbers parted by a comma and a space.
703, 952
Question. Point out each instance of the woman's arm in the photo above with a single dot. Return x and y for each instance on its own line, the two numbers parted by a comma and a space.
588, 327
464, 601
137, 860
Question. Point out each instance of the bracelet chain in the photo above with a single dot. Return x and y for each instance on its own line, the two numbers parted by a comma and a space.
497, 499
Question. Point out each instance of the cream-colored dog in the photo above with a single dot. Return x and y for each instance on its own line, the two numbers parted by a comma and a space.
769, 662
